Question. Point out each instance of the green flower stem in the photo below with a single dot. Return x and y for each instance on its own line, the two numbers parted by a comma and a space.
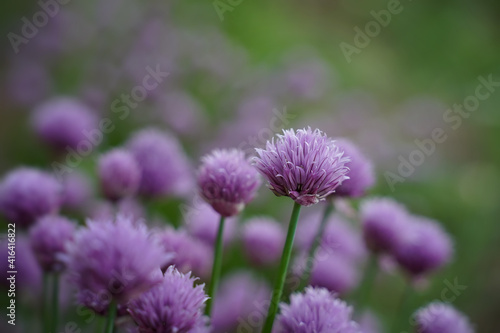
314, 247
216, 268
285, 260
55, 301
110, 325
402, 309
45, 302
366, 286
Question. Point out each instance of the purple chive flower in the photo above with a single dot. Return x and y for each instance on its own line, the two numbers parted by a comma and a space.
316, 311
189, 254
49, 237
361, 174
77, 190
127, 207
227, 181
165, 169
304, 165
263, 239
27, 194
425, 247
63, 122
181, 112
174, 305
241, 301
203, 222
113, 261
119, 174
384, 224
441, 318
369, 323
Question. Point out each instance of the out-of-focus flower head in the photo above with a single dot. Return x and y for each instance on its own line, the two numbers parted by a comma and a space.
27, 194
119, 174
181, 112
304, 165
174, 305
113, 260
263, 239
316, 310
127, 207
48, 238
64, 122
369, 323
165, 169
440, 317
77, 190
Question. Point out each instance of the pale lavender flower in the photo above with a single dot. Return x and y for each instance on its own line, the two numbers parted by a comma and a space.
369, 323
316, 311
63, 122
440, 317
77, 190
105, 210
113, 260
48, 238
27, 194
227, 181
425, 247
165, 169
119, 174
181, 112
240, 299
174, 305
304, 165
385, 223
361, 174
263, 240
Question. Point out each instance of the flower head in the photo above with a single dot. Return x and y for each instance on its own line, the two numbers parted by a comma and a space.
27, 194
227, 181
119, 174
48, 238
304, 165
425, 247
63, 122
384, 224
165, 169
113, 260
76, 190
263, 239
441, 318
361, 175
174, 305
316, 311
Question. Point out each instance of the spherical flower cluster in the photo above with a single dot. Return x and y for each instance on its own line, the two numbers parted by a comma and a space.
119, 174
63, 122
48, 238
384, 224
425, 247
361, 174
113, 260
165, 169
441, 318
76, 190
304, 165
263, 240
27, 194
227, 181
174, 305
316, 311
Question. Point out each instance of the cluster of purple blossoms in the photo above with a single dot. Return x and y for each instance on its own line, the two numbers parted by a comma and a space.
263, 240
227, 181
119, 174
304, 165
441, 318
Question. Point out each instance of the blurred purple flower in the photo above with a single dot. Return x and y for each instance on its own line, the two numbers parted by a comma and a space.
48, 238
165, 169
77, 190
28, 82
27, 193
128, 207
227, 181
369, 323
181, 112
119, 174
305, 165
316, 310
263, 240
63, 122
174, 305
441, 318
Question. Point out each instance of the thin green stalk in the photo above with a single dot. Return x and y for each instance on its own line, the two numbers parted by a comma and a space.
110, 325
314, 247
45, 302
366, 286
401, 311
285, 260
216, 268
55, 302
